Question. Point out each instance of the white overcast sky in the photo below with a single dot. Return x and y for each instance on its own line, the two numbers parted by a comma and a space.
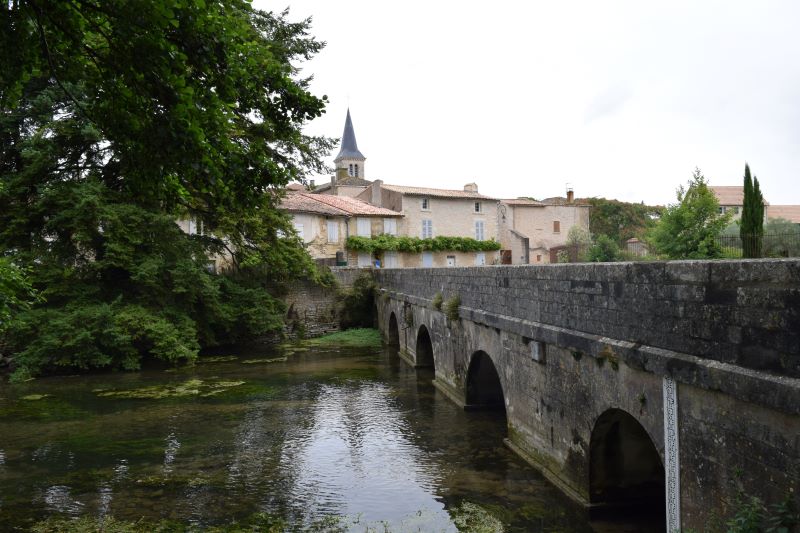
620, 99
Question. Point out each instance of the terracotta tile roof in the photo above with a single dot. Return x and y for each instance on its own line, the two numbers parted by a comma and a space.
326, 204
436, 193
295, 187
299, 202
730, 194
560, 200
353, 206
786, 212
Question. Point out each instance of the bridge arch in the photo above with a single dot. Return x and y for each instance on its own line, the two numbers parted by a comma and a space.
393, 331
424, 348
484, 389
625, 468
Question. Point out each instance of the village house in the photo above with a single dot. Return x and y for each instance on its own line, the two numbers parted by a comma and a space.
731, 200
324, 222
533, 231
429, 213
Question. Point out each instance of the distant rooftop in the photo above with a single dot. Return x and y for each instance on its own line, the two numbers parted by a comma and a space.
329, 205
730, 194
435, 193
786, 212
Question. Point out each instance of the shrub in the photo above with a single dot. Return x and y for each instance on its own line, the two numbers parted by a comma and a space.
451, 307
356, 304
437, 301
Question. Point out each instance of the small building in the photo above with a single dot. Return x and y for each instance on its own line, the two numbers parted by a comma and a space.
785, 212
731, 199
428, 213
324, 222
530, 229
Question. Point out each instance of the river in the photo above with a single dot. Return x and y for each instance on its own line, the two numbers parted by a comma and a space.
352, 433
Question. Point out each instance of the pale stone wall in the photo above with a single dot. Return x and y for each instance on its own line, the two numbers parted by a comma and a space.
451, 217
536, 223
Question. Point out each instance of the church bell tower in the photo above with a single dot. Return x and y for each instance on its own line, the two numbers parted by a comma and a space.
350, 158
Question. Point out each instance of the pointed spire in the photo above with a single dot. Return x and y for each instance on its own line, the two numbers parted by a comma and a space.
349, 147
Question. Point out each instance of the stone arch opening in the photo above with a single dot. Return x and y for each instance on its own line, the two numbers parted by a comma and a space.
424, 348
484, 390
625, 469
394, 331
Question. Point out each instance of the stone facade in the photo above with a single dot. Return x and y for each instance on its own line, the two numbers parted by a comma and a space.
546, 225
573, 343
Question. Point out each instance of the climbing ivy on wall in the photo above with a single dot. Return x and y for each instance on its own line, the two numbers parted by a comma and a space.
391, 243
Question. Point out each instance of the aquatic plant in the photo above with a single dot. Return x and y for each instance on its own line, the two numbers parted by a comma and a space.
351, 338
192, 387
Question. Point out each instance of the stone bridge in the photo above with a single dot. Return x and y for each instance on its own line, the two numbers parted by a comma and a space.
675, 385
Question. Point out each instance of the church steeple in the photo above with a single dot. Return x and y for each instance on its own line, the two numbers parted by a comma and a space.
350, 158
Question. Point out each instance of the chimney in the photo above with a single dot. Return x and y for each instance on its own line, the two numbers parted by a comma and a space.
570, 195
471, 187
377, 197
311, 185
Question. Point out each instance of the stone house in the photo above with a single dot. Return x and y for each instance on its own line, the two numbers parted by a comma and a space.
429, 212
324, 222
731, 200
531, 230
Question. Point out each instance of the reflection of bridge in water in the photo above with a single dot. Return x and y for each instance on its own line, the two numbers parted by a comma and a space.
633, 385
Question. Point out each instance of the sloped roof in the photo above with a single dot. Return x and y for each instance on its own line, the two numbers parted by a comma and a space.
299, 202
522, 202
560, 200
786, 212
354, 206
730, 194
296, 187
349, 146
436, 193
329, 205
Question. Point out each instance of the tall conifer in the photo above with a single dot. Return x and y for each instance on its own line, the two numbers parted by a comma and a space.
751, 226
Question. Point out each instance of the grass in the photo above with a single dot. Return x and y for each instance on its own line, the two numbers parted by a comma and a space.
350, 338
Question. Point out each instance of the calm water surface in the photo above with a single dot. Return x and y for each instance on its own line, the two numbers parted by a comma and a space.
353, 433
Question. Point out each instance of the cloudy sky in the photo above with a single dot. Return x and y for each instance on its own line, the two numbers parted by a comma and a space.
620, 99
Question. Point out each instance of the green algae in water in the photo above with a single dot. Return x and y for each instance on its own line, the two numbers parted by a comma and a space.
475, 519
192, 387
258, 361
35, 397
217, 359
350, 338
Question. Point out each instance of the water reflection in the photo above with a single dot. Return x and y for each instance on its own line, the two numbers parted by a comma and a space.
326, 433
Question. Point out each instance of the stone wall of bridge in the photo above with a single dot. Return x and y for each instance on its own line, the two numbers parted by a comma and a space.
606, 337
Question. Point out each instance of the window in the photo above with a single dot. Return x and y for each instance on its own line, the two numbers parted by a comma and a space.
722, 210
478, 207
480, 259
427, 259
363, 227
356, 171
390, 260
427, 229
364, 259
333, 231
538, 258
451, 260
350, 170
479, 230
736, 210
556, 226
298, 227
390, 226
426, 204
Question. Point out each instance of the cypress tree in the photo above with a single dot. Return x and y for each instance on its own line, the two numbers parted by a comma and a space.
751, 225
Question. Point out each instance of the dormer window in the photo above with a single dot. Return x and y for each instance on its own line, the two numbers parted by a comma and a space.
478, 207
426, 204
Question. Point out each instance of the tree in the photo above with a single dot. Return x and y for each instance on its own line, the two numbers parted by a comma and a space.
621, 220
604, 250
116, 119
689, 229
751, 226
